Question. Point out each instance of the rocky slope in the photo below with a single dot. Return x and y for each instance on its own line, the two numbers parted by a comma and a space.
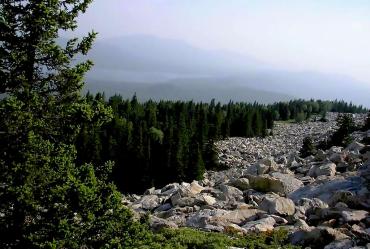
323, 201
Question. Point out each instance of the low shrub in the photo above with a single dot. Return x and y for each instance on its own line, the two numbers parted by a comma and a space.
186, 238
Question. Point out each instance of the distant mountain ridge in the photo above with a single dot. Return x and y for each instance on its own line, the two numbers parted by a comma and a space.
199, 90
147, 60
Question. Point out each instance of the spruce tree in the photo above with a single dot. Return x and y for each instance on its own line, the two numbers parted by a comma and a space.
46, 200
346, 126
308, 148
367, 122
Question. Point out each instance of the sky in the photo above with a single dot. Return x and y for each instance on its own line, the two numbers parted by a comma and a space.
330, 36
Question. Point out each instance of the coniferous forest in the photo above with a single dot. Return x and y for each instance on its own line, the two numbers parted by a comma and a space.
156, 143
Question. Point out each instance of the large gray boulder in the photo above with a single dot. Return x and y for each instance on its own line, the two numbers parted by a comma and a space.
290, 183
263, 166
338, 157
157, 224
231, 193
170, 189
317, 237
350, 216
327, 169
187, 194
257, 169
239, 215
149, 202
189, 190
241, 183
266, 183
197, 200
341, 244
325, 190
278, 183
274, 204
222, 218
355, 147
258, 226
178, 201
307, 206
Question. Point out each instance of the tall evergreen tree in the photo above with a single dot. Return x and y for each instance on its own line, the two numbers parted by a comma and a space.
346, 126
46, 200
308, 148
367, 122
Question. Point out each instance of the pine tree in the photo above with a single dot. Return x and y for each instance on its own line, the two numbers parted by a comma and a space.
300, 117
346, 126
308, 148
210, 156
367, 122
46, 200
196, 166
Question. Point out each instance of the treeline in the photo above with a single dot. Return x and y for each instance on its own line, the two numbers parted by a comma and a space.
300, 110
154, 143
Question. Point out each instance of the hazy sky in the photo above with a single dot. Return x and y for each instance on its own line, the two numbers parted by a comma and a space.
321, 35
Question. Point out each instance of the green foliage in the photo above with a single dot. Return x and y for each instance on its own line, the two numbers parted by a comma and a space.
323, 117
308, 148
51, 202
186, 238
300, 117
346, 126
302, 109
156, 135
155, 143
367, 123
46, 200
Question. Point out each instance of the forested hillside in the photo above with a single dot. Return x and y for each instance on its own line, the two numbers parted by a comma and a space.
155, 143
300, 110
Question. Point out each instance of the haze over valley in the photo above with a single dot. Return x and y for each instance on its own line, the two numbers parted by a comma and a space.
157, 68
310, 49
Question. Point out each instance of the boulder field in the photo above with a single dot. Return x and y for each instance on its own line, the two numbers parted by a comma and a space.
323, 201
